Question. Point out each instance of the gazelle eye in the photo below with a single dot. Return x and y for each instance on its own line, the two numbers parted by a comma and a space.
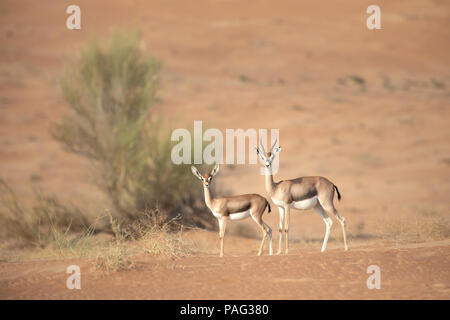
209, 179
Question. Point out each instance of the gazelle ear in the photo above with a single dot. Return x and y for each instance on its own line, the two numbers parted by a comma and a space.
196, 172
215, 170
277, 149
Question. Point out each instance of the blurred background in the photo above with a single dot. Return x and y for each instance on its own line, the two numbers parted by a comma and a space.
368, 109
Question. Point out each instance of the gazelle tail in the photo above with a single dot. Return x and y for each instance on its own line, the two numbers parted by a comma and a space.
337, 190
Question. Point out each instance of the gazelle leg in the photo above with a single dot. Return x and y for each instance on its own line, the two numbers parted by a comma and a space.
281, 210
269, 232
328, 206
261, 247
328, 224
286, 227
261, 224
222, 226
341, 220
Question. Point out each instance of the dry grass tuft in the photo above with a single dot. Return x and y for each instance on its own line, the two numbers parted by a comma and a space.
47, 222
117, 255
160, 242
147, 234
156, 236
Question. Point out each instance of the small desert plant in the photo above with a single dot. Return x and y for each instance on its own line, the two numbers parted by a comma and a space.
46, 221
157, 237
117, 255
110, 91
76, 245
144, 234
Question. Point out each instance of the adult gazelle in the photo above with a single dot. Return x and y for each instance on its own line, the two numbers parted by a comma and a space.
235, 208
302, 194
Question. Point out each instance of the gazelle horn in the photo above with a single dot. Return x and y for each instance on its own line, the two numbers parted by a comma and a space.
274, 144
262, 146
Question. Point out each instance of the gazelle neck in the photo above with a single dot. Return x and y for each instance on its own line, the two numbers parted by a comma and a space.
208, 197
269, 180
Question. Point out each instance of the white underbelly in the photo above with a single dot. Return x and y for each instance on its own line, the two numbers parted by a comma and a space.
240, 215
300, 205
278, 203
304, 204
234, 216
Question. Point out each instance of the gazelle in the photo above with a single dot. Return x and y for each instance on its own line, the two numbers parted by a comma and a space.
301, 193
235, 208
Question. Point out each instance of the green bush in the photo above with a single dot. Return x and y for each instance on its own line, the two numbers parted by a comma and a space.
110, 91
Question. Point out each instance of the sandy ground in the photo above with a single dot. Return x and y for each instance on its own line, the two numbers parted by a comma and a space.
407, 272
367, 109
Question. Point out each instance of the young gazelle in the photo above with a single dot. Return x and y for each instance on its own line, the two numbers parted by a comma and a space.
235, 208
302, 194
